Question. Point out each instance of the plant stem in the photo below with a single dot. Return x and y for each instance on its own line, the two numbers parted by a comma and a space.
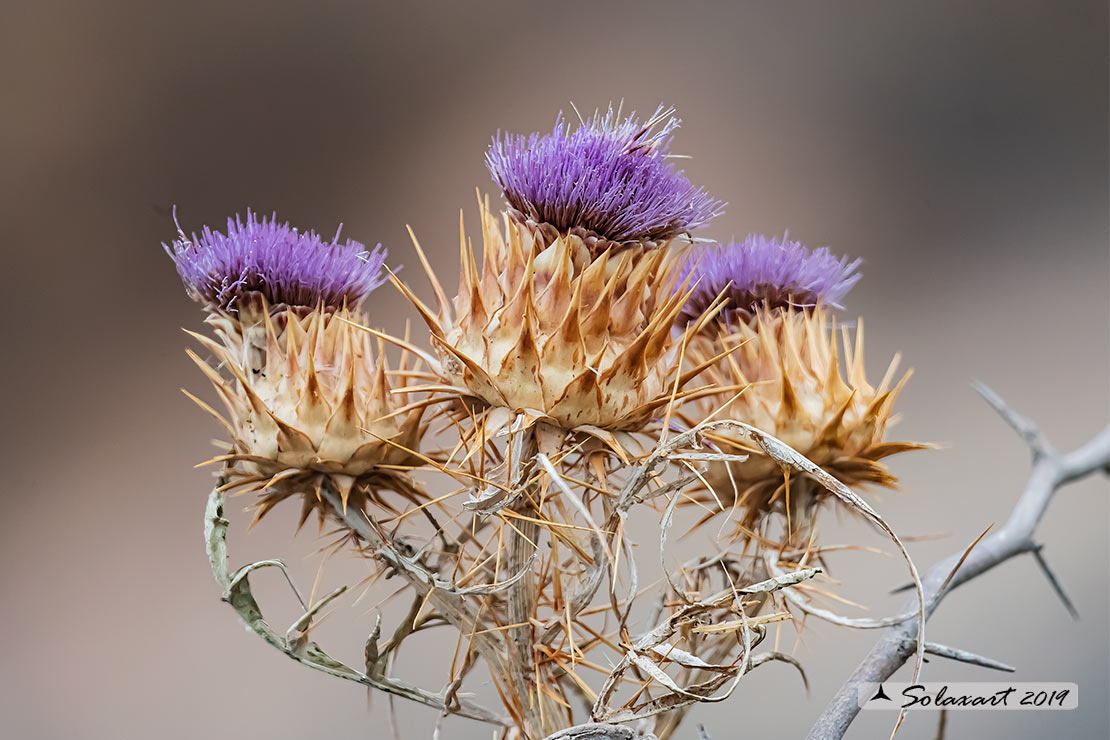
521, 541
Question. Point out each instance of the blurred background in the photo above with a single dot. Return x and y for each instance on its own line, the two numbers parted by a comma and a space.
959, 148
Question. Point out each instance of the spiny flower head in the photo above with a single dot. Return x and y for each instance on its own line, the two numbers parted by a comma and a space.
766, 272
786, 374
579, 341
609, 178
309, 400
284, 265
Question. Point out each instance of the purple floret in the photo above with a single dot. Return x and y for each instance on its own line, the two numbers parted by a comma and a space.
285, 265
609, 177
764, 272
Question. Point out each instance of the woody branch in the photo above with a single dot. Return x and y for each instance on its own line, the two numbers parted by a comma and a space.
1051, 471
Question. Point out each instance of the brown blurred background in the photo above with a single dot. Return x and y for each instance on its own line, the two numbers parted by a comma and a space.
960, 148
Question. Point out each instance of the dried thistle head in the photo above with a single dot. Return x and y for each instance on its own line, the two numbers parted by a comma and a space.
609, 180
778, 343
307, 398
795, 390
555, 332
319, 404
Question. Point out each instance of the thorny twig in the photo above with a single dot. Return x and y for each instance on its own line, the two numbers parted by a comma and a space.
1051, 470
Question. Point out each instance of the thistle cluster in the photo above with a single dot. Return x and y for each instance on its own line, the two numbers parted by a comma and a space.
595, 362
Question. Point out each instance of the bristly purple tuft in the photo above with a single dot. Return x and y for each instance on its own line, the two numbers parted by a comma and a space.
764, 272
283, 264
610, 178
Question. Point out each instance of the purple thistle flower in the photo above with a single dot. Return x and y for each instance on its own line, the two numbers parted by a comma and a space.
283, 264
609, 177
764, 272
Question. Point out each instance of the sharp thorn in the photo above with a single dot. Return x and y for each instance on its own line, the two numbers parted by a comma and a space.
965, 656
1025, 428
1054, 582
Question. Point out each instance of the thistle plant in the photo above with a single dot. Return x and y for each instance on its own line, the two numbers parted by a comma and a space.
597, 363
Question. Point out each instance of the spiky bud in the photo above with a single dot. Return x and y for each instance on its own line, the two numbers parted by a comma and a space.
787, 366
780, 371
319, 405
576, 339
